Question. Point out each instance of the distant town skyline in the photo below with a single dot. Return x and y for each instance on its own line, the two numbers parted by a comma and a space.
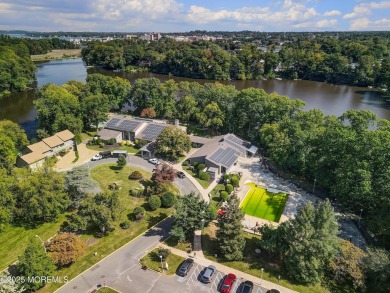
179, 15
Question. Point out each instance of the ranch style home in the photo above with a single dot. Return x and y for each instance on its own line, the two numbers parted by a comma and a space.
219, 154
35, 154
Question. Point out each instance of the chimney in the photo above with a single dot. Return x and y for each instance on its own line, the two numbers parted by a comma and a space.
176, 122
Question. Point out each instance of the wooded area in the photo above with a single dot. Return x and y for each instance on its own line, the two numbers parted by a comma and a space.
355, 59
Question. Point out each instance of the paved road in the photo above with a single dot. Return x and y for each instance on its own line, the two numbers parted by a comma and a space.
118, 264
121, 271
184, 185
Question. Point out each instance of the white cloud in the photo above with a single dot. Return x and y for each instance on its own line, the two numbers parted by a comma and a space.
365, 9
368, 25
255, 15
332, 13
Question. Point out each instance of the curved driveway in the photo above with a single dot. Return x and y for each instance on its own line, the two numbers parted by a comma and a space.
184, 185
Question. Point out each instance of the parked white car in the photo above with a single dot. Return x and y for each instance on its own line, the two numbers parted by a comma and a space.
97, 157
154, 161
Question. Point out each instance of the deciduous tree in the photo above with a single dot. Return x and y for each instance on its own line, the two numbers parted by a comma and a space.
65, 248
164, 174
173, 142
35, 262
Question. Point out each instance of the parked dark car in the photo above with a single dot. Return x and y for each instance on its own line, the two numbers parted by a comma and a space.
247, 287
116, 154
181, 174
208, 274
185, 267
105, 155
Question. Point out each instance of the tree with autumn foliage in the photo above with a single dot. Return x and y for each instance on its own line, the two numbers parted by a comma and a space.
65, 248
348, 265
164, 174
148, 113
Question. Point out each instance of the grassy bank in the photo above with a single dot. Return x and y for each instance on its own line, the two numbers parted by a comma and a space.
14, 239
107, 174
57, 54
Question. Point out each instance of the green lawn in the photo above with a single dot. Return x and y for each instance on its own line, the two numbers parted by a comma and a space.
14, 240
152, 261
129, 149
253, 262
172, 242
261, 203
107, 290
205, 184
107, 174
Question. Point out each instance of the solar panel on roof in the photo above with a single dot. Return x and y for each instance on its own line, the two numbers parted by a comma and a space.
112, 122
152, 131
235, 139
128, 125
226, 157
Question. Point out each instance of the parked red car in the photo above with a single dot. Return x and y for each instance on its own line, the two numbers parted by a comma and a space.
228, 283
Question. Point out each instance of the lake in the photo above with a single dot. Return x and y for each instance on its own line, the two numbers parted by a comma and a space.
329, 98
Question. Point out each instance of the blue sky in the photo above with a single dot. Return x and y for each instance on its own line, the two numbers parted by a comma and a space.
186, 15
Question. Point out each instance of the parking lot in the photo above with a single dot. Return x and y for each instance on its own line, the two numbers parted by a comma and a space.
137, 280
193, 284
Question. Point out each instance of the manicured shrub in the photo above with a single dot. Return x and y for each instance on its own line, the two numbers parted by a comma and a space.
136, 192
139, 213
101, 145
195, 164
125, 224
122, 143
229, 188
78, 138
168, 199
224, 195
154, 202
139, 143
205, 176
111, 141
201, 166
213, 211
128, 143
226, 177
164, 252
185, 163
235, 181
136, 175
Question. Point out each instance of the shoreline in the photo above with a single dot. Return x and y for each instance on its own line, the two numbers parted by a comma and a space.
57, 55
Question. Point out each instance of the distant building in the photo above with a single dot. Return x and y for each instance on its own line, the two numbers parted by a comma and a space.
35, 154
151, 37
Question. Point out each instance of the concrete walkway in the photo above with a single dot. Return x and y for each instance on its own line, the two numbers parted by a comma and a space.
224, 269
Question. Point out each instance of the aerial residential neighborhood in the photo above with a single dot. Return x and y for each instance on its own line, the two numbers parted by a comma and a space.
195, 146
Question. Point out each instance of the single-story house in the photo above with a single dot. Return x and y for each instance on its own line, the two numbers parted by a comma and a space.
221, 153
128, 128
35, 154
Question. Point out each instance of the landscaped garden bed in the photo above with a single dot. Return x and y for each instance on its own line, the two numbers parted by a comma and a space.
196, 170
153, 261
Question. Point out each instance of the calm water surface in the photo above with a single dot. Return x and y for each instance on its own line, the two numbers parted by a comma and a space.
331, 99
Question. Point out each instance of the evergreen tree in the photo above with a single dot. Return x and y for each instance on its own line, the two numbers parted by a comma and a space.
230, 234
306, 244
121, 161
191, 214
35, 262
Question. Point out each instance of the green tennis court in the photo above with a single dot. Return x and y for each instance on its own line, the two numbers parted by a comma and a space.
263, 204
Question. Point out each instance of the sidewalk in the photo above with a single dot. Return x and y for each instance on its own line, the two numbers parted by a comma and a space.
224, 269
